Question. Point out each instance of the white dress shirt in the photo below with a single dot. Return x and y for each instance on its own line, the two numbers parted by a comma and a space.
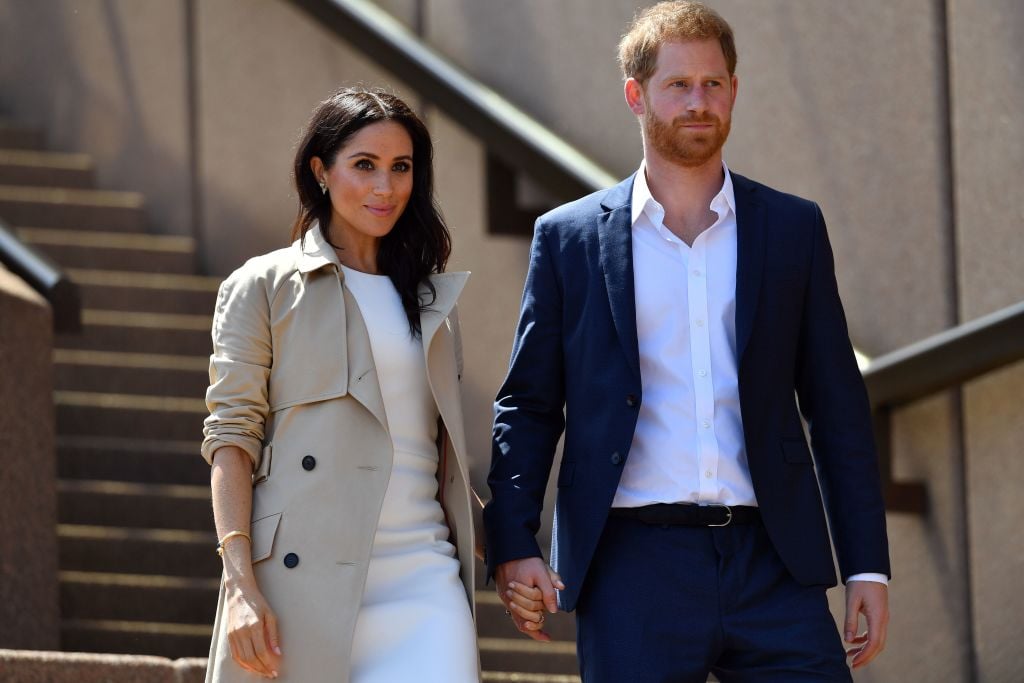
688, 446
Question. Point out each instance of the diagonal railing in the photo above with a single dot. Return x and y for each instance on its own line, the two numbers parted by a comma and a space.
508, 132
44, 276
943, 361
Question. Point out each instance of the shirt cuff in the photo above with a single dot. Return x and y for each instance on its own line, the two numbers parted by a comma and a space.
877, 578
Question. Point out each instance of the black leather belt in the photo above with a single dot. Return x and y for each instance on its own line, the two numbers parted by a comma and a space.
685, 514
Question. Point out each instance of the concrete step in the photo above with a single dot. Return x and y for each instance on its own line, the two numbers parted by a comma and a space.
117, 290
120, 549
519, 677
493, 623
141, 332
17, 136
93, 249
134, 504
66, 208
138, 597
130, 373
84, 413
124, 459
136, 637
523, 655
45, 169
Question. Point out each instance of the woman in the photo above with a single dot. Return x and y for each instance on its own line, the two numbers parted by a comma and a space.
335, 425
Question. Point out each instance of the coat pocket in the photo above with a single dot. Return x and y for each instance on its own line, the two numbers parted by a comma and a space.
263, 531
795, 451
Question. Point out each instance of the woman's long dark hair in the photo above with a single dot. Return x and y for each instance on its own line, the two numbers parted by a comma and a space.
419, 244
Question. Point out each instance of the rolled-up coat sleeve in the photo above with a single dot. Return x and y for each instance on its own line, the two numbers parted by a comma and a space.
239, 368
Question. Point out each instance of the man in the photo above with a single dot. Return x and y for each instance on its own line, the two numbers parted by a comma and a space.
677, 319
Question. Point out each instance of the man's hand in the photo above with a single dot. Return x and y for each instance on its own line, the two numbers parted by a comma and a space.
871, 599
526, 588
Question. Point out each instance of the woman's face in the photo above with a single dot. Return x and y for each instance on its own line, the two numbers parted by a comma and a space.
370, 182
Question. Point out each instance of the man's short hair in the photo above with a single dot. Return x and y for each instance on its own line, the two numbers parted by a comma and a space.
675, 20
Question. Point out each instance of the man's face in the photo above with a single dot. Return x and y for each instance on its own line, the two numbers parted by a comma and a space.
687, 103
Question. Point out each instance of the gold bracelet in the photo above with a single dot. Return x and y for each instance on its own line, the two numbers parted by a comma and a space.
228, 536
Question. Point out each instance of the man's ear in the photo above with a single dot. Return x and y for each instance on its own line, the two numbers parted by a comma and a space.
634, 92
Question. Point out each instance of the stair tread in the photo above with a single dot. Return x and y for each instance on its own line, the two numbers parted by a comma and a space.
116, 533
126, 580
76, 196
121, 359
174, 321
45, 159
96, 399
127, 278
107, 240
108, 487
126, 626
184, 448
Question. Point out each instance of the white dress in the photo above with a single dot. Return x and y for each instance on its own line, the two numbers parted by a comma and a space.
414, 623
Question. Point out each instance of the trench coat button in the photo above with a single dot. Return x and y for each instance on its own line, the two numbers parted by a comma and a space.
616, 458
308, 463
291, 560
631, 400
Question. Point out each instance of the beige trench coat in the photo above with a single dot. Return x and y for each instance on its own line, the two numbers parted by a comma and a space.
292, 375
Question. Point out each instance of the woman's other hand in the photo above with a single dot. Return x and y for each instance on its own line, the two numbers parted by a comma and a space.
527, 602
252, 631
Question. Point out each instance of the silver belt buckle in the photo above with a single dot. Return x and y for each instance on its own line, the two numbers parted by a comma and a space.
728, 510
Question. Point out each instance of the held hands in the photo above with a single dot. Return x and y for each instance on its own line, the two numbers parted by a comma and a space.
526, 588
252, 631
871, 599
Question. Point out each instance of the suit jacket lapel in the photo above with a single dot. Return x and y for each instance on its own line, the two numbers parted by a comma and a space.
750, 246
615, 232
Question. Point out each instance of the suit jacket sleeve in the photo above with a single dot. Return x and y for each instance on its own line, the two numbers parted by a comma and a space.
834, 402
528, 413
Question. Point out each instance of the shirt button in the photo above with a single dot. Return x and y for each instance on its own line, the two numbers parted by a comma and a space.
696, 273
616, 458
707, 474
700, 323
631, 400
703, 373
707, 424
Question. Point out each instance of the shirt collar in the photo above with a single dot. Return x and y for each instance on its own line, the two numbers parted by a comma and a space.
643, 201
314, 250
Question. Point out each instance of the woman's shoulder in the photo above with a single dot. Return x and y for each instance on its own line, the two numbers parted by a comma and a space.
266, 270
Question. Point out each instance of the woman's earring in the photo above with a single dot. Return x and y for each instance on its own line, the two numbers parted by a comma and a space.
323, 187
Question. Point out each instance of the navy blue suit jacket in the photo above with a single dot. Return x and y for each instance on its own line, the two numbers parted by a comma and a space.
576, 351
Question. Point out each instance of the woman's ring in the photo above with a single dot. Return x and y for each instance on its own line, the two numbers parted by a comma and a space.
507, 613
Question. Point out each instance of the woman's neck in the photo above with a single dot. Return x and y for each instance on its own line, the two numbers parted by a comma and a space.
355, 250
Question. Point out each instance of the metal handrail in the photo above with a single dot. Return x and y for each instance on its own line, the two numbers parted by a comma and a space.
947, 359
942, 361
44, 276
510, 134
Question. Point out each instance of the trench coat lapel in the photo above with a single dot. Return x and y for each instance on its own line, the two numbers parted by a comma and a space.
615, 232
444, 380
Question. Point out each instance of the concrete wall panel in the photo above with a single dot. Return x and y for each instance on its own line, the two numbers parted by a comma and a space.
988, 66
994, 429
102, 77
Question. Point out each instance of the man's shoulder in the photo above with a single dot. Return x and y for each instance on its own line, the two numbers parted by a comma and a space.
769, 196
582, 212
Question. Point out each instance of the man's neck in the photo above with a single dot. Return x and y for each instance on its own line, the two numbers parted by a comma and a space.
685, 193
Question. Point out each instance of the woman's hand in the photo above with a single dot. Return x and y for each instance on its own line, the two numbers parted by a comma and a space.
252, 631
527, 603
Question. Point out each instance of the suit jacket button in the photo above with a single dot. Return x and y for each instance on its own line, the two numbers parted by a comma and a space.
291, 560
308, 463
616, 458
631, 400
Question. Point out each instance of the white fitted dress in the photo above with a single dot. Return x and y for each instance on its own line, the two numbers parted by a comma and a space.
414, 623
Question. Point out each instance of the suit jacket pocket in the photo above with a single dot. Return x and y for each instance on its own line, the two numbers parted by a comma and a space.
263, 531
566, 473
795, 451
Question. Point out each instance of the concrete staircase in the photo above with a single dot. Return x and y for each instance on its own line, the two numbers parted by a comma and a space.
137, 568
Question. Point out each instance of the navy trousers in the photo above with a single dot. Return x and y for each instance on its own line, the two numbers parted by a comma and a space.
671, 604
